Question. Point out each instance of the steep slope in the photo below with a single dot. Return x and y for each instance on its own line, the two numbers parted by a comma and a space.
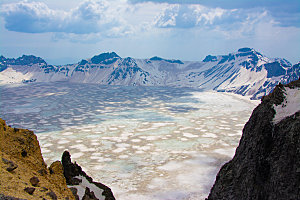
246, 72
266, 162
81, 184
24, 174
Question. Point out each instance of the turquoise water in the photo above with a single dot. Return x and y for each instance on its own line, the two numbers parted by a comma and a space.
144, 142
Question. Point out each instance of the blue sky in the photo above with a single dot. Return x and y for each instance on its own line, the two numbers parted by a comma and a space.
65, 31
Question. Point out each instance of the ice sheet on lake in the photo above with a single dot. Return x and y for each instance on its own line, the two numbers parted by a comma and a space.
134, 139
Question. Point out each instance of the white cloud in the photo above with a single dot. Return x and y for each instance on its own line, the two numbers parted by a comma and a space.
285, 12
232, 23
91, 16
117, 18
184, 31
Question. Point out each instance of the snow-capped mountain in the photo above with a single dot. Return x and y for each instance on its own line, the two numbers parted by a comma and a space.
245, 72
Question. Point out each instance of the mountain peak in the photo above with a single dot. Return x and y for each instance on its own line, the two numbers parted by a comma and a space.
156, 58
245, 49
29, 59
210, 58
23, 60
105, 58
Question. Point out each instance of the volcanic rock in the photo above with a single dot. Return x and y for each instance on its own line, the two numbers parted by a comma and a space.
266, 162
34, 181
73, 173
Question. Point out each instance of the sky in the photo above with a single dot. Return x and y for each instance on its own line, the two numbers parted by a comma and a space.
66, 31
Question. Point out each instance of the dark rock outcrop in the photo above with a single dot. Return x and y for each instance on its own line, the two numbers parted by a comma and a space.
34, 181
10, 165
4, 197
29, 190
88, 195
72, 172
266, 164
52, 195
24, 60
105, 58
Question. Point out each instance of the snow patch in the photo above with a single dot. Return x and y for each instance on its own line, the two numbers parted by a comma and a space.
10, 75
85, 183
289, 106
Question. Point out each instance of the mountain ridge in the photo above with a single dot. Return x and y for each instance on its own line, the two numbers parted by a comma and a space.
246, 72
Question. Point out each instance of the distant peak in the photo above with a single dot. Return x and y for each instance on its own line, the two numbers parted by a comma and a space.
104, 56
109, 55
245, 49
210, 58
155, 58
248, 51
27, 60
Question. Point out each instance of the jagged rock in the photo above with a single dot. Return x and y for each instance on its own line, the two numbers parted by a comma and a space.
76, 181
11, 165
73, 170
29, 190
52, 195
74, 191
20, 160
70, 170
34, 181
89, 195
266, 162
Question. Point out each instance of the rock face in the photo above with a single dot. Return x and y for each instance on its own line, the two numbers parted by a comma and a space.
266, 164
23, 172
81, 184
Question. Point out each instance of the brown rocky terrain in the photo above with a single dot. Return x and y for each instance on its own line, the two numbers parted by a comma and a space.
23, 172
25, 175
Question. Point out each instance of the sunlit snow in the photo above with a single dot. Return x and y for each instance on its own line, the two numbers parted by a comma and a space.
289, 106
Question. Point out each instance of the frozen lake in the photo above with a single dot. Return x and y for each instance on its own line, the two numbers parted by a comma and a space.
143, 142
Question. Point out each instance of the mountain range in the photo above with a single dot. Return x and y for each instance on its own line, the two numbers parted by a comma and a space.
246, 72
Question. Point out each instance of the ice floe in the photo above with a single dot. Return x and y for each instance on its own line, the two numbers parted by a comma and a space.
168, 148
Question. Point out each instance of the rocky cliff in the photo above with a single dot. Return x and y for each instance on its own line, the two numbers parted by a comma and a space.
266, 164
82, 185
24, 174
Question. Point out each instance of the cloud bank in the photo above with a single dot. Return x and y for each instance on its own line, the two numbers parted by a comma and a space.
189, 16
117, 18
285, 12
89, 17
